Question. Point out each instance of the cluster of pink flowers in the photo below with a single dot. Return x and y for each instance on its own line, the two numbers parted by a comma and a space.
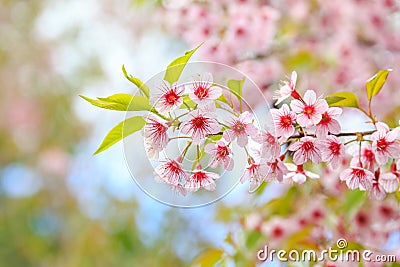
345, 39
305, 130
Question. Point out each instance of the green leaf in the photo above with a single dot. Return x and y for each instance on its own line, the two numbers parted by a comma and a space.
376, 82
343, 99
122, 130
208, 258
144, 89
253, 239
235, 86
122, 102
176, 67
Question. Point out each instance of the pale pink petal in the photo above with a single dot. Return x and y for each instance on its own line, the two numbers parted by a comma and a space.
229, 135
242, 140
345, 175
315, 119
299, 157
209, 148
246, 117
380, 126
321, 106
303, 120
352, 183
335, 112
334, 127
296, 105
228, 164
295, 146
214, 92
389, 182
310, 97
321, 131
215, 127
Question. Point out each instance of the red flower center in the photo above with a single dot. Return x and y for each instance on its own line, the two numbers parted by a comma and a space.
308, 110
286, 121
239, 127
199, 176
326, 119
358, 173
173, 167
307, 146
222, 151
334, 148
171, 97
369, 155
201, 91
199, 122
382, 144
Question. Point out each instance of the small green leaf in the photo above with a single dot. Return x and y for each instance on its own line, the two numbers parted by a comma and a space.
122, 130
121, 102
208, 258
144, 89
343, 99
235, 86
376, 82
176, 67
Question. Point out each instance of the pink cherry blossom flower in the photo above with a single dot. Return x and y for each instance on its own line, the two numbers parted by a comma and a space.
201, 178
329, 123
155, 133
171, 172
310, 109
307, 148
255, 172
199, 126
283, 119
170, 97
357, 177
287, 89
332, 150
203, 92
278, 170
220, 155
367, 157
297, 174
270, 147
385, 143
240, 128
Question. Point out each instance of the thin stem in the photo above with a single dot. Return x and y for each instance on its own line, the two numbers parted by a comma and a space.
177, 137
186, 150
187, 105
338, 135
153, 110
